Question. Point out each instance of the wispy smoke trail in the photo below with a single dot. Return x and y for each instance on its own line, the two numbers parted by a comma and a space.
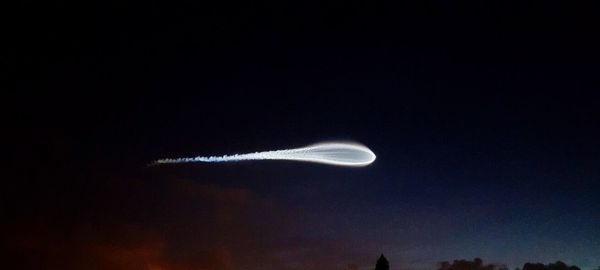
334, 153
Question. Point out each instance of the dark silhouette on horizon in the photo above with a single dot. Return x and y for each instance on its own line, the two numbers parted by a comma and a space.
552, 266
382, 263
476, 264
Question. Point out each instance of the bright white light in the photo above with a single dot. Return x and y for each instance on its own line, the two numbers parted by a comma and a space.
334, 153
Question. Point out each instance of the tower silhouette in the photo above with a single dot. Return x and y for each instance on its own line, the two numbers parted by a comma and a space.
382, 263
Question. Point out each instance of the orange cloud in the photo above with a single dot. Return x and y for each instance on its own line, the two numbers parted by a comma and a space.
188, 226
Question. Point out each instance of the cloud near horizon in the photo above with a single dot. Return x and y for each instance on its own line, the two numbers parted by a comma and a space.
210, 227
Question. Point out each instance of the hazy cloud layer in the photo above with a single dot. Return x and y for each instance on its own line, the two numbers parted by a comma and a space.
208, 227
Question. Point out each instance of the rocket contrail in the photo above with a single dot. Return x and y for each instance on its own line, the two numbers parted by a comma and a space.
334, 153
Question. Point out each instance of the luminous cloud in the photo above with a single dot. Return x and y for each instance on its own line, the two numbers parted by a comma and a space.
333, 153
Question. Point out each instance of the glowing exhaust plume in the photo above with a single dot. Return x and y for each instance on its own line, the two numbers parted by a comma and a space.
335, 153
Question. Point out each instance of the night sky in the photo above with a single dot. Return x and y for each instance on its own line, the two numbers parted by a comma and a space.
485, 119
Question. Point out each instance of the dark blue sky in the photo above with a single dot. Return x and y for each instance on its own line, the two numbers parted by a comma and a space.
484, 118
